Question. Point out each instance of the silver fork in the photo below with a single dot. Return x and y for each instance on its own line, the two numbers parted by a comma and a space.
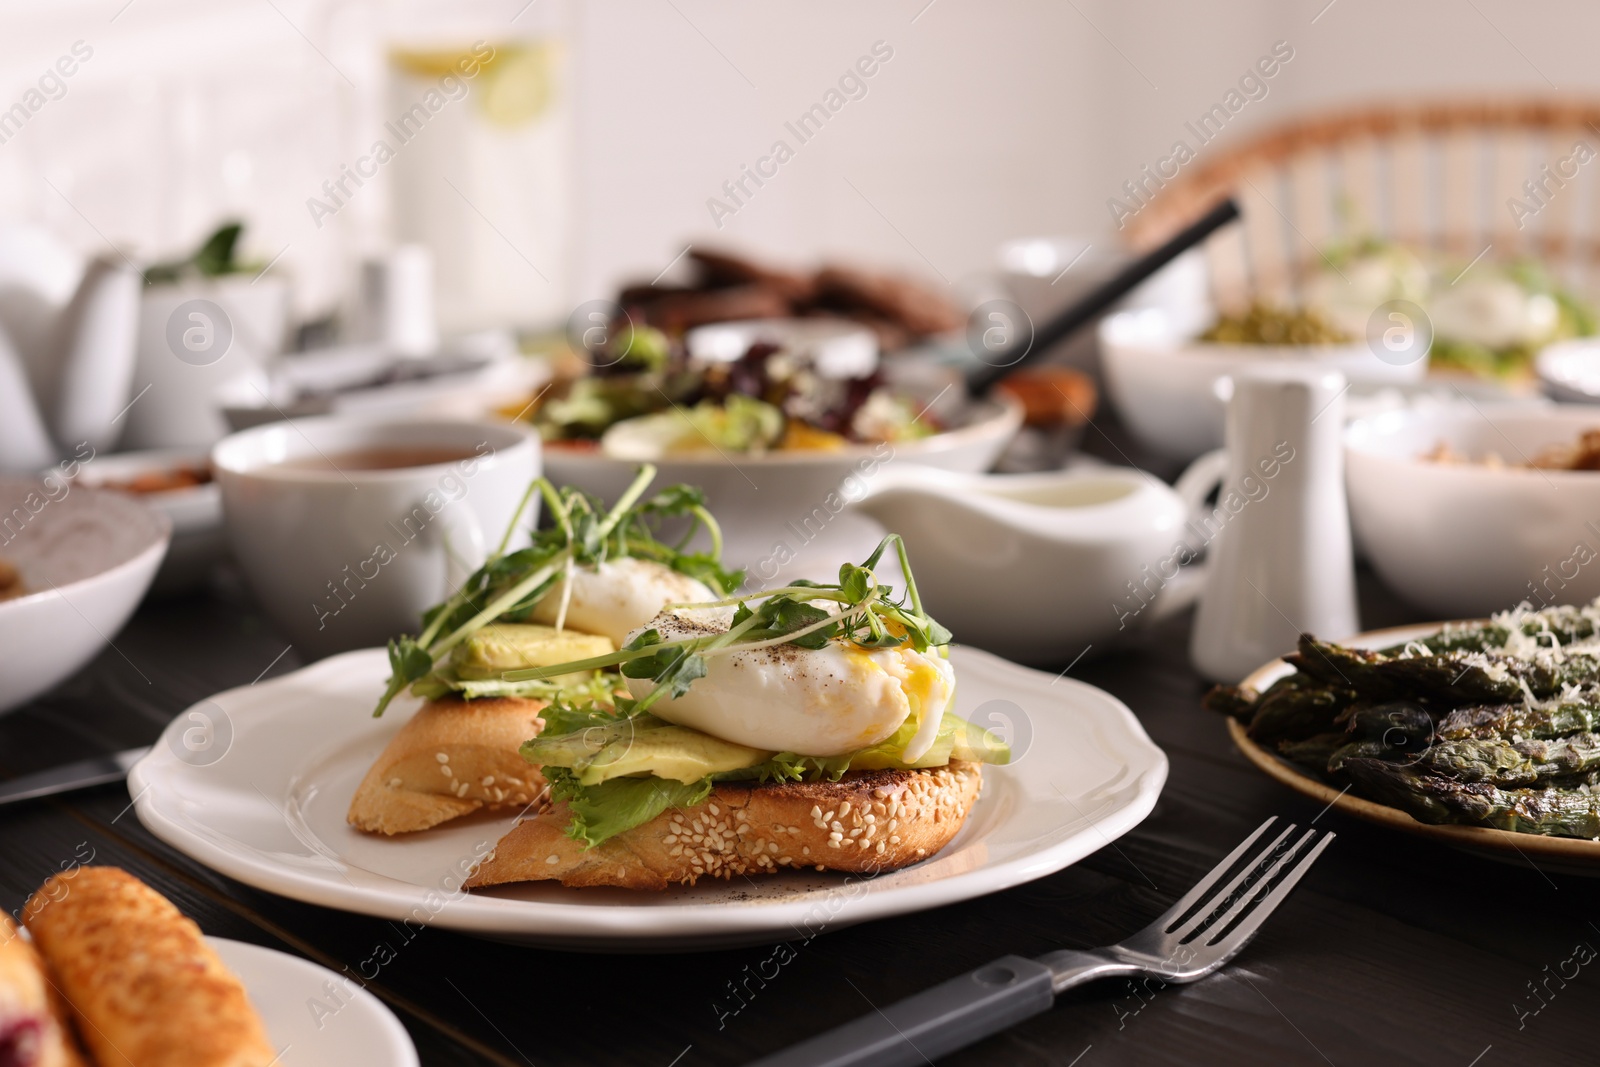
1193, 938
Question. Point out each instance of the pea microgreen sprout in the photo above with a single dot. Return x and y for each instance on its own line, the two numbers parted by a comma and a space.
583, 533
865, 616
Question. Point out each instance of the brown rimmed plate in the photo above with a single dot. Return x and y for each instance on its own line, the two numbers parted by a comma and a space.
1568, 855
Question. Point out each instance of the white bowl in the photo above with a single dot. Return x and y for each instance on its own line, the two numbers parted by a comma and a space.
1463, 541
774, 493
87, 558
1570, 370
195, 512
1172, 390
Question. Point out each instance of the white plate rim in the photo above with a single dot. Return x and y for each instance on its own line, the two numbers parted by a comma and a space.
577, 923
399, 1051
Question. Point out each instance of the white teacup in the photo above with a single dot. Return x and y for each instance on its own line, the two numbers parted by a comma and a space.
348, 529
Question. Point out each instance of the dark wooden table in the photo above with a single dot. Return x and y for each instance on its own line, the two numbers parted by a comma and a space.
1392, 951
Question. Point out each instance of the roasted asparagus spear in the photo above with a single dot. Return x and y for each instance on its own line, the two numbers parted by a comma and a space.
1569, 811
1449, 679
1513, 764
1579, 713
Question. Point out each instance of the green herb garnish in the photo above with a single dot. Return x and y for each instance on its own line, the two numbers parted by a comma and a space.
867, 615
510, 585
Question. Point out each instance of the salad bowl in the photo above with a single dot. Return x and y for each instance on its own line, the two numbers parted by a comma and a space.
1172, 389
753, 495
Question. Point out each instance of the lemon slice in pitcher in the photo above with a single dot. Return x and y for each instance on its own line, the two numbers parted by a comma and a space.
518, 86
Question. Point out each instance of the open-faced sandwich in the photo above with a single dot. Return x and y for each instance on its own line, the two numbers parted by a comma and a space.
691, 734
804, 727
574, 594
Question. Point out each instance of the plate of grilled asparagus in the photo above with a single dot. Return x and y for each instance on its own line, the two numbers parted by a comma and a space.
1483, 734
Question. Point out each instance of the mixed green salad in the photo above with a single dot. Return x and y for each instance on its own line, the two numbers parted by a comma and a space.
644, 382
1488, 318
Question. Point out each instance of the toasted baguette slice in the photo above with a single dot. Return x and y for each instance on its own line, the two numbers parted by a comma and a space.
868, 821
34, 1030
453, 757
145, 987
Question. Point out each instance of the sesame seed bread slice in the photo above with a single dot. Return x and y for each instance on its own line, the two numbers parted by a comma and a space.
867, 821
453, 757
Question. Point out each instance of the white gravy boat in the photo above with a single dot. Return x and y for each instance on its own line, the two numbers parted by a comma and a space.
1041, 567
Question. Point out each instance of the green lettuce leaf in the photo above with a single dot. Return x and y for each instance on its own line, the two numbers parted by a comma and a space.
603, 811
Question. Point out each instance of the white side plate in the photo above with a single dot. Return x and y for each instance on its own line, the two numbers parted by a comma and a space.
255, 783
309, 1024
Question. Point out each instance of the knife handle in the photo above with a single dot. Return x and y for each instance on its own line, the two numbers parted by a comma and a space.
930, 1024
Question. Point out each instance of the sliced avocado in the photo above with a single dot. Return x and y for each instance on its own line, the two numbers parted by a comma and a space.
978, 745
957, 739
512, 646
578, 748
668, 751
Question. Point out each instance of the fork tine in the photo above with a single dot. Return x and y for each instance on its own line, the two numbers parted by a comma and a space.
1263, 906
1266, 874
1215, 898
1193, 896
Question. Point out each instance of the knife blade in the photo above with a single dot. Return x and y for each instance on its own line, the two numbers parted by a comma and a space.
100, 770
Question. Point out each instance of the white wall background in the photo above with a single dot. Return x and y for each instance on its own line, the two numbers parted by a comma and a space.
993, 119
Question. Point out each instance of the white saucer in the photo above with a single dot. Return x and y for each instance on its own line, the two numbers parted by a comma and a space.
264, 801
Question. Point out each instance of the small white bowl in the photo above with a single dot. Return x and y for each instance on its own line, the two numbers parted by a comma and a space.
195, 512
1172, 390
1462, 541
86, 558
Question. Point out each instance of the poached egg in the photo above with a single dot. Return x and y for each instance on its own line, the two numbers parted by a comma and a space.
823, 702
619, 596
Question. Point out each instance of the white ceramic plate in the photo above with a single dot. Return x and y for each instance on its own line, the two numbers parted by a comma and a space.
355, 1028
256, 781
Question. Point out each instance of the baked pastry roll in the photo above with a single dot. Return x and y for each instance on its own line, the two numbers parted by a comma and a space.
146, 989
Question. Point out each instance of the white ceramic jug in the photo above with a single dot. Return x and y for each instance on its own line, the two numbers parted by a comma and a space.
1280, 557
1042, 568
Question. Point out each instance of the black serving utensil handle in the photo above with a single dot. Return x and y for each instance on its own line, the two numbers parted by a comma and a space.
1094, 304
921, 1028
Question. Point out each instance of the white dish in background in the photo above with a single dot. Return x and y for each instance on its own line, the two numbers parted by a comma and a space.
754, 496
1570, 370
356, 1027
195, 512
269, 810
86, 558
472, 376
1172, 390
1462, 541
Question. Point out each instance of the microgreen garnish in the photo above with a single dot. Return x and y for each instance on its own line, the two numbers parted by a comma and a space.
864, 613
583, 533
